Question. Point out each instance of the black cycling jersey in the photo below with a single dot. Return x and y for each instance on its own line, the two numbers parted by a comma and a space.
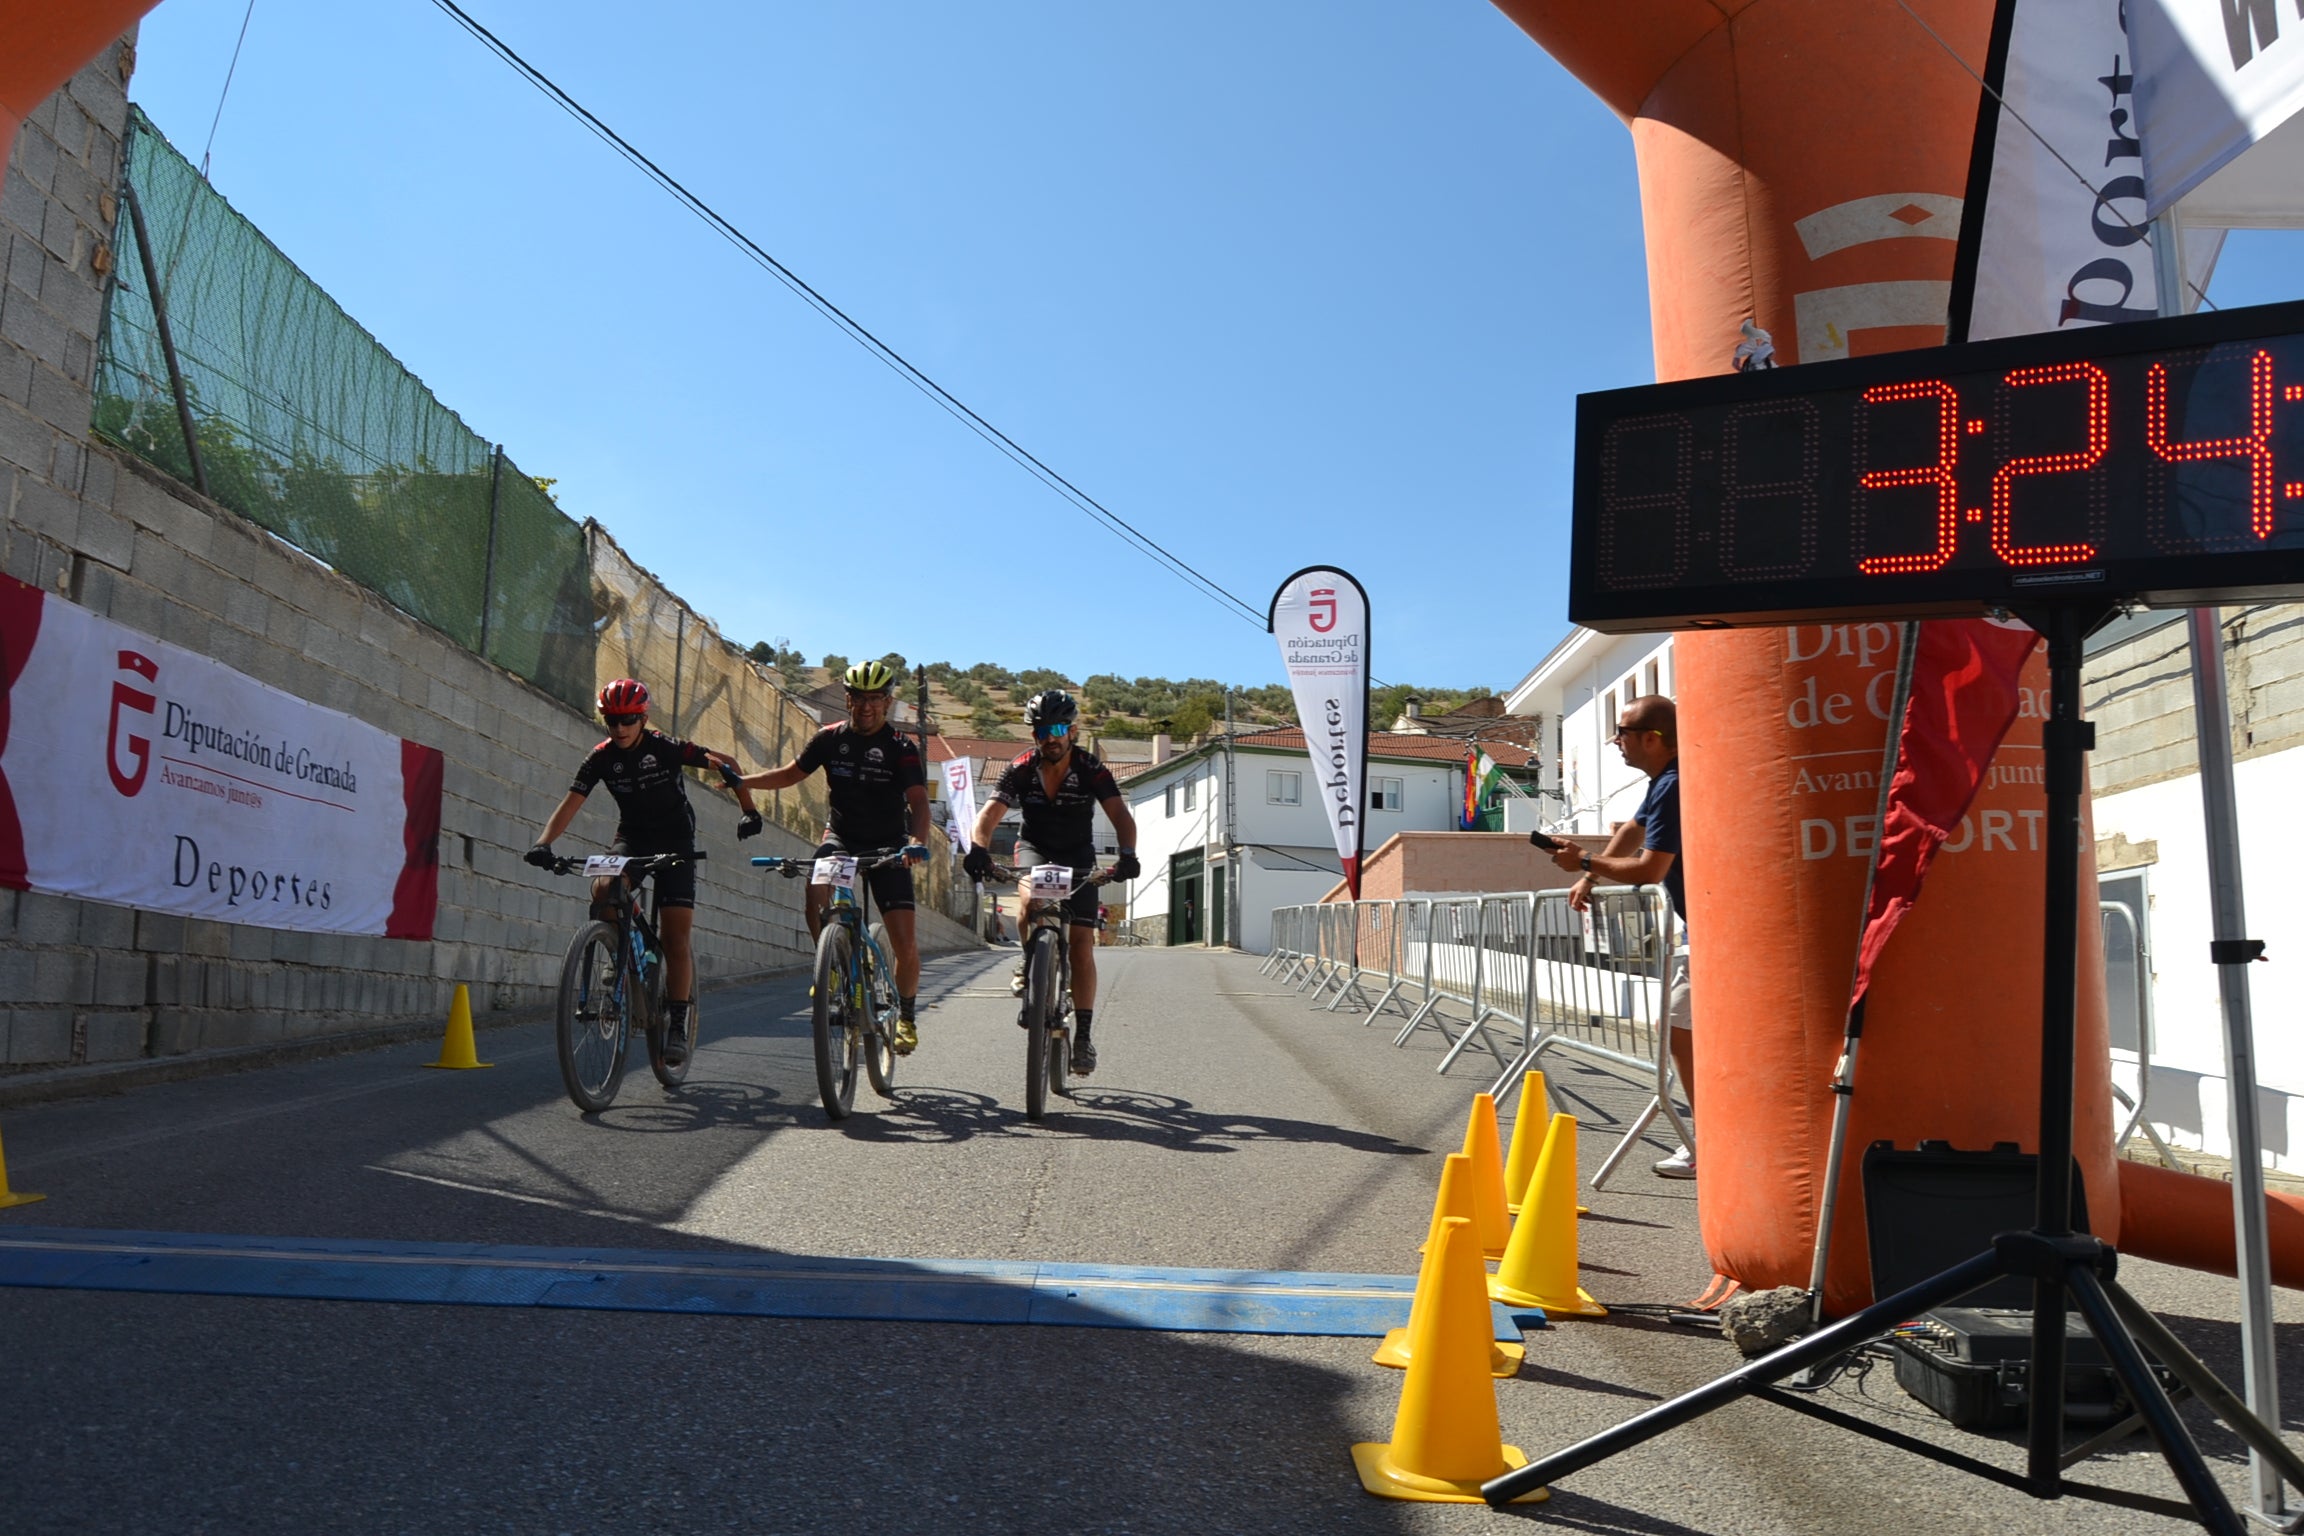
865, 778
651, 796
1061, 826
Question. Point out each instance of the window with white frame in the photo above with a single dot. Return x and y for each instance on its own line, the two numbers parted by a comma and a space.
1191, 788
1283, 788
1168, 801
1648, 678
1387, 795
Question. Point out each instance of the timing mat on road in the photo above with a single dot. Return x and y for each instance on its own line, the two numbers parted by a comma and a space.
724, 1284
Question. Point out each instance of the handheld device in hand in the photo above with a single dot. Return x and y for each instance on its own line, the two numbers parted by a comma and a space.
1548, 844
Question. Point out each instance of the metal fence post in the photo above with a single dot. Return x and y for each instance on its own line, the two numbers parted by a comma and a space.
488, 568
167, 337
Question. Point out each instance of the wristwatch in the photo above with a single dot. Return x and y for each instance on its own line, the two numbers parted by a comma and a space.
1586, 866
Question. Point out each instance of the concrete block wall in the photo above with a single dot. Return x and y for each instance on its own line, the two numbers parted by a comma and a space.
2139, 693
85, 982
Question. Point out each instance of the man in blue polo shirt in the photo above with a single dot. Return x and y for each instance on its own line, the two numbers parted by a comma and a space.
1646, 851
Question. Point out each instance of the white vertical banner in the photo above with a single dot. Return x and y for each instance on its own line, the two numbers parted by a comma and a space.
1320, 618
2051, 252
959, 800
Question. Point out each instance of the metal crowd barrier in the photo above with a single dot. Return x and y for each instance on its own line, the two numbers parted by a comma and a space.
1514, 975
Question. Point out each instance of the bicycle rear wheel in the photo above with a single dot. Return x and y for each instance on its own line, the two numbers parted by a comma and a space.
596, 994
879, 1039
836, 1030
1040, 984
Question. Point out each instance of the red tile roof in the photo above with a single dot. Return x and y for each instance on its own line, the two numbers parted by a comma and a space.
1388, 744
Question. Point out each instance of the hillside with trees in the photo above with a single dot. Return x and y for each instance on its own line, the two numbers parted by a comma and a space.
987, 699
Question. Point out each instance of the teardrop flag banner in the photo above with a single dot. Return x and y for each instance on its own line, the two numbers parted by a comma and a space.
1320, 618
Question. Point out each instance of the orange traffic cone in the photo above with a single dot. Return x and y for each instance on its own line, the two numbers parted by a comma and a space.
1446, 1437
1527, 1139
9, 1197
1539, 1268
1455, 1200
456, 1049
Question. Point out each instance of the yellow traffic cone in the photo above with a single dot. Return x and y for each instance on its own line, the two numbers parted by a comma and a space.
1539, 1268
1455, 1200
1486, 1149
456, 1051
1446, 1437
1527, 1139
9, 1197
1528, 1143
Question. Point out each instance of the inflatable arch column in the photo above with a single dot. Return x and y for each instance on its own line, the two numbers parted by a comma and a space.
1802, 164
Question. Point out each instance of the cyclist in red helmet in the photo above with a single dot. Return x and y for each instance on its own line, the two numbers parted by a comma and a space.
641, 768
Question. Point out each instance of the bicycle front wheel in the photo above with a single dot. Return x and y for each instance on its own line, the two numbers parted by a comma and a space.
836, 1028
1040, 984
596, 995
879, 1040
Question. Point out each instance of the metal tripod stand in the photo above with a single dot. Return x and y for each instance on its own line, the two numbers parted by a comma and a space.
2057, 1260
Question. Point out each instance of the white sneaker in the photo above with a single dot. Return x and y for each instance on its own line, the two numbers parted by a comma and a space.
1680, 1165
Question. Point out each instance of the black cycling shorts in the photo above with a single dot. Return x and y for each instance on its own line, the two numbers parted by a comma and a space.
1085, 907
675, 887
890, 884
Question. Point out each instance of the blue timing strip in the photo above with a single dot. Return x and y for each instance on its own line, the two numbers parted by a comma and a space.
728, 1284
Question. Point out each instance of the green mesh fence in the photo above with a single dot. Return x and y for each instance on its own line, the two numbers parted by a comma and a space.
307, 426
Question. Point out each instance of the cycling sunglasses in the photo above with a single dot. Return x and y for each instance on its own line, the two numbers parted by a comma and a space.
1056, 732
616, 720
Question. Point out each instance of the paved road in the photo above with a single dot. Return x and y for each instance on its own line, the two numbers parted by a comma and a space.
1229, 1127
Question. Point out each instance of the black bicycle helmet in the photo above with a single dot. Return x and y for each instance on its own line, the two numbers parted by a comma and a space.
1052, 706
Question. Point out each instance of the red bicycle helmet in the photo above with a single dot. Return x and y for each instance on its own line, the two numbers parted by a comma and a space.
625, 696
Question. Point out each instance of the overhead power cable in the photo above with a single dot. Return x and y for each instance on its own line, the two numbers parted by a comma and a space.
895, 361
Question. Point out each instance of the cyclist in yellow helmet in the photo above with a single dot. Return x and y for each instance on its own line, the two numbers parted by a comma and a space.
878, 789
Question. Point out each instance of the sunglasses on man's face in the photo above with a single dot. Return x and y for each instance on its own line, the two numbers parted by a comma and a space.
1056, 732
615, 721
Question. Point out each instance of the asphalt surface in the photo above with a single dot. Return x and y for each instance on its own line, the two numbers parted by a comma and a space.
1230, 1126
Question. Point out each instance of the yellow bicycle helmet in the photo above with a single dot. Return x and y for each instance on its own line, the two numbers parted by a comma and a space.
869, 677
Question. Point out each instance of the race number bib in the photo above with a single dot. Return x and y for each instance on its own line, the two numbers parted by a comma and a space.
605, 864
1051, 882
838, 870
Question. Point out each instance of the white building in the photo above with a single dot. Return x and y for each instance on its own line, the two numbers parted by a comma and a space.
1226, 836
1581, 687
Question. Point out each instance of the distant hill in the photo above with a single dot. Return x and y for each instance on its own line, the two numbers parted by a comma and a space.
988, 699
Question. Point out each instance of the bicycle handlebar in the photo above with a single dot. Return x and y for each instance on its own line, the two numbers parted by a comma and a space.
1093, 878
634, 863
792, 869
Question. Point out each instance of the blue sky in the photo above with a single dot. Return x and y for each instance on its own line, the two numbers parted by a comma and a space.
1279, 284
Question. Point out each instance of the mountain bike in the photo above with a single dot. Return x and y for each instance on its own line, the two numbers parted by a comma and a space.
613, 979
1047, 1007
853, 1000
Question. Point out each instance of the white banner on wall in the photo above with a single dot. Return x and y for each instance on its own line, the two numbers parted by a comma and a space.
139, 773
959, 800
1320, 618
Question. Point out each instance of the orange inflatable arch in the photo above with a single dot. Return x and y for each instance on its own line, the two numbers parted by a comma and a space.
1802, 164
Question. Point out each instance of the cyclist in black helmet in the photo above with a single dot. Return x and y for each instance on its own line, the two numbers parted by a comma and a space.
641, 768
878, 789
1059, 786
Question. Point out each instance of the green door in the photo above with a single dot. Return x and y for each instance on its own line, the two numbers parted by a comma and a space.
1217, 908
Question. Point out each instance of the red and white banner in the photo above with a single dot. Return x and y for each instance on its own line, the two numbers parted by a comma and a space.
1320, 618
139, 773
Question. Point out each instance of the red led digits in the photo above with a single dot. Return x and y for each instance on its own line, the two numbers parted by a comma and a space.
2256, 447
2004, 480
1940, 474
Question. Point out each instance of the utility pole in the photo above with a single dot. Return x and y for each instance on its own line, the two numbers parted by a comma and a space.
1233, 905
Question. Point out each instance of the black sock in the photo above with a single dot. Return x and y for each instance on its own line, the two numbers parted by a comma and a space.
676, 1010
1086, 1016
904, 1007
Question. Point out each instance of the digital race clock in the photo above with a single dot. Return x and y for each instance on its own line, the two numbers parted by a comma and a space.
2161, 462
